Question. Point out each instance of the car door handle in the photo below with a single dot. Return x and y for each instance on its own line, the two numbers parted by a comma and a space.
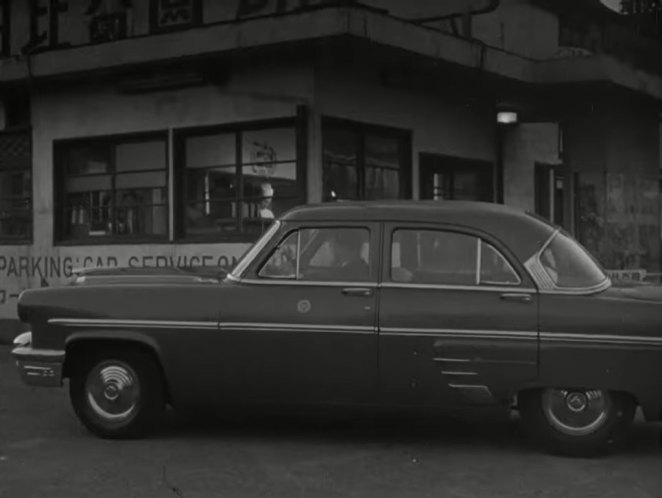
516, 296
357, 291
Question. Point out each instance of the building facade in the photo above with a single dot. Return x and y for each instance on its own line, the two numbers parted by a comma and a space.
158, 133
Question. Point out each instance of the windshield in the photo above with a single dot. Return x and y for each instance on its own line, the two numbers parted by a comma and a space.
250, 254
570, 265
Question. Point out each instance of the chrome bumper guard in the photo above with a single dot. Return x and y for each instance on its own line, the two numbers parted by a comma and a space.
38, 367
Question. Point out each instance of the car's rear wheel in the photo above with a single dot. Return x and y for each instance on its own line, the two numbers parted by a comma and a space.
576, 422
117, 393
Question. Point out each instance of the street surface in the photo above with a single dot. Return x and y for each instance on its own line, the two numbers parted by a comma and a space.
44, 452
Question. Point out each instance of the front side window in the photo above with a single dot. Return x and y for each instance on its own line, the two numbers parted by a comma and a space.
113, 187
15, 186
321, 254
569, 265
362, 162
438, 257
236, 182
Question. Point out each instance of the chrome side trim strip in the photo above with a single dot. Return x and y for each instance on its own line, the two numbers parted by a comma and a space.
168, 324
351, 329
451, 372
600, 339
487, 334
481, 288
107, 322
309, 283
453, 360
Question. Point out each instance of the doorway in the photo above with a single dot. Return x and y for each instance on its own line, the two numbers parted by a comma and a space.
454, 178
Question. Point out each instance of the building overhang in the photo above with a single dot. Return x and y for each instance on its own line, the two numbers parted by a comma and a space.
308, 26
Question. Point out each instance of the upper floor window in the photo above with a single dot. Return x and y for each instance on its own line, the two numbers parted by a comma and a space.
15, 186
235, 181
363, 162
322, 254
439, 257
112, 188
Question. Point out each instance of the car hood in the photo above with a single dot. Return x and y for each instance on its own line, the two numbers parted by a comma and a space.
127, 275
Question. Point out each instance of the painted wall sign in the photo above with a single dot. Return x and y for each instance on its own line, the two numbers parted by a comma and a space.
635, 275
168, 15
23, 268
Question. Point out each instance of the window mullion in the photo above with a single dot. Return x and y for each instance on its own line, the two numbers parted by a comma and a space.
239, 179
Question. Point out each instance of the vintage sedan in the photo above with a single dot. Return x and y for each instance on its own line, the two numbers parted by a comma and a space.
420, 305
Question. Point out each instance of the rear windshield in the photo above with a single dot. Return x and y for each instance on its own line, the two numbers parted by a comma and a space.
569, 264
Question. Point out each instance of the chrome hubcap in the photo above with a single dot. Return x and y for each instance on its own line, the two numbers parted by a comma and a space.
574, 412
112, 391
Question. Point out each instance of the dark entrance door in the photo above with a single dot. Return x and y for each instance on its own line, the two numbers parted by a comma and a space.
455, 178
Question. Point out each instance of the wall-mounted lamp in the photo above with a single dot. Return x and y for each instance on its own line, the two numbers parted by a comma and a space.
507, 117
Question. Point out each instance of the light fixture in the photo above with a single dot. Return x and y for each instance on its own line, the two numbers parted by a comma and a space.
507, 117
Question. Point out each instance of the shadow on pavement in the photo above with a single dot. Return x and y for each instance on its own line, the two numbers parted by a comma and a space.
477, 430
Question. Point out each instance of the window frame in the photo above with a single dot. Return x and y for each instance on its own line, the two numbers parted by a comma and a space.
59, 193
28, 239
372, 277
362, 130
250, 273
297, 123
525, 283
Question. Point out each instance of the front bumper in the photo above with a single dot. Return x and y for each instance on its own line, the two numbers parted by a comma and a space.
38, 367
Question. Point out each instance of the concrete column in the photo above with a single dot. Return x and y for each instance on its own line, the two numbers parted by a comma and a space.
314, 159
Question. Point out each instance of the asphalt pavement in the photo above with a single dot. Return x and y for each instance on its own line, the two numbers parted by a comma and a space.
44, 452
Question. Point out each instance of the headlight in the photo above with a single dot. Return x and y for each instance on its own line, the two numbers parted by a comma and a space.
23, 340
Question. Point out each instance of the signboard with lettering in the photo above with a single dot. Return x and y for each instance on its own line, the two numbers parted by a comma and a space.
39, 25
431, 9
22, 268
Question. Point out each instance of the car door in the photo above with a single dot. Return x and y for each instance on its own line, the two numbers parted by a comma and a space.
306, 330
458, 317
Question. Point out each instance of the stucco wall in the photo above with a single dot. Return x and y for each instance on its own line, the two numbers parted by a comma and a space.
524, 145
252, 94
521, 28
439, 123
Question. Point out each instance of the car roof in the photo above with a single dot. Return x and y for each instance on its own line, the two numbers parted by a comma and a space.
524, 233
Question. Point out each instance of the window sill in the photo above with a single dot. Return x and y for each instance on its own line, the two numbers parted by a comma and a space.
16, 242
225, 238
112, 241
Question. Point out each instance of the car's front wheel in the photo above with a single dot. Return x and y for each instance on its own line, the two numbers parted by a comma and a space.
576, 422
117, 393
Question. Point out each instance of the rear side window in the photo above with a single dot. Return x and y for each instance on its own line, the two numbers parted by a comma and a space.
440, 257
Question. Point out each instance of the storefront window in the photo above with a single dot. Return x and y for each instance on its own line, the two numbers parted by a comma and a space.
236, 182
113, 188
365, 162
15, 186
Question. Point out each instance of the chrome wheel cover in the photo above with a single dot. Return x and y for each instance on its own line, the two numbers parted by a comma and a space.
112, 391
576, 412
